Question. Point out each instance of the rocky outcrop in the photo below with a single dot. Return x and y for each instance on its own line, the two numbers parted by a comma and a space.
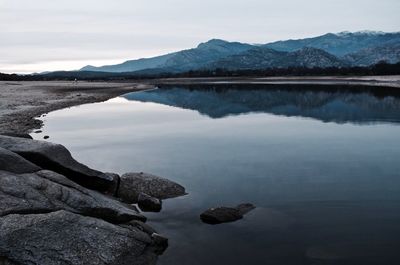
12, 162
63, 237
46, 191
147, 203
226, 214
57, 158
47, 218
132, 184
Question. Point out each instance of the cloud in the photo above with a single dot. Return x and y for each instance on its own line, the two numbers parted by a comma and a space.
36, 32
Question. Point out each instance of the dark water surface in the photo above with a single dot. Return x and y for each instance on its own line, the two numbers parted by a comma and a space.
322, 165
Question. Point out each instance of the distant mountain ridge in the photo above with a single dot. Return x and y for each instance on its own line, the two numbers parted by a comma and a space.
262, 58
330, 50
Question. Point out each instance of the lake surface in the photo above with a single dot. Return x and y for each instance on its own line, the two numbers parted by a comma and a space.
322, 165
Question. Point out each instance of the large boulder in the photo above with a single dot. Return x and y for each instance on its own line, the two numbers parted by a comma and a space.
10, 161
132, 184
65, 238
47, 191
57, 158
225, 214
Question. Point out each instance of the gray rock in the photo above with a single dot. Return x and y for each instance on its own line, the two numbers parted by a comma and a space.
226, 214
66, 238
57, 158
113, 188
132, 184
20, 135
161, 242
147, 203
47, 191
143, 227
10, 161
245, 208
6, 261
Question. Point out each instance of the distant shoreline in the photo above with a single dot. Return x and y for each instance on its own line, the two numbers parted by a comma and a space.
380, 81
22, 101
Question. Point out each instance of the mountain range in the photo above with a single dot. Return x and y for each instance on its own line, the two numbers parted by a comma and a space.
343, 49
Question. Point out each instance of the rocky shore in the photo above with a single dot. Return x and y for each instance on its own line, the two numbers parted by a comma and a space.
55, 210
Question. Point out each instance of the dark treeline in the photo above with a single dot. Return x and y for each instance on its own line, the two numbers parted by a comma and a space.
377, 69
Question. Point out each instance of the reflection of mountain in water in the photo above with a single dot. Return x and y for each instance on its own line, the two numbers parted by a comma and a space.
328, 105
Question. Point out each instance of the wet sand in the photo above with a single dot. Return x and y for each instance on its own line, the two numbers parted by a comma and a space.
21, 102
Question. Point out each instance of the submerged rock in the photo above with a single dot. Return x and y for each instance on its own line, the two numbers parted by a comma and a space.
57, 158
226, 214
12, 162
132, 184
66, 238
47, 191
245, 208
147, 203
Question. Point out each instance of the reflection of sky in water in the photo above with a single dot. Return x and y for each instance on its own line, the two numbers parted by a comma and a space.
325, 192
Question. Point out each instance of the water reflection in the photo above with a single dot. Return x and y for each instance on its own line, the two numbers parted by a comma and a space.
328, 104
326, 193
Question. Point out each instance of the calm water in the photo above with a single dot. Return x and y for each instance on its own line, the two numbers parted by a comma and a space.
321, 164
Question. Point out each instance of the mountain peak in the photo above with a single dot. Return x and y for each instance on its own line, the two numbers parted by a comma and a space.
212, 42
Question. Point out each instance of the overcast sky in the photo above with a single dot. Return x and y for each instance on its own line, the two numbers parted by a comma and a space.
42, 35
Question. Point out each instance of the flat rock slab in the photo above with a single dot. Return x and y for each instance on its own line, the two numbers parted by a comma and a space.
12, 162
226, 214
20, 135
132, 184
57, 158
47, 191
67, 238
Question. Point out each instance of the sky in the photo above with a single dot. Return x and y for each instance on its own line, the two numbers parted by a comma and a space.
49, 35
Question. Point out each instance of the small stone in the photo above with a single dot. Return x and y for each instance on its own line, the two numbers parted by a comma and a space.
113, 189
226, 214
147, 203
46, 137
38, 131
160, 242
